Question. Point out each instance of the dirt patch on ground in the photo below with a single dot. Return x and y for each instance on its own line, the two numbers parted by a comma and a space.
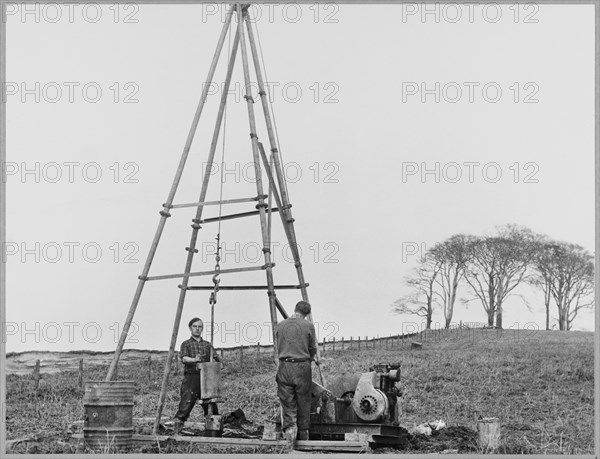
456, 439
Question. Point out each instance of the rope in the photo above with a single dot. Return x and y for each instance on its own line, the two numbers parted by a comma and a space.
213, 296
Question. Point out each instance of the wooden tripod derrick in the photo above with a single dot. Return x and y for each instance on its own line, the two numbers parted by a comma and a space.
277, 188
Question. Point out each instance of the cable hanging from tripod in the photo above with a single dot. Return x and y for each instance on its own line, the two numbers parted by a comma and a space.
213, 296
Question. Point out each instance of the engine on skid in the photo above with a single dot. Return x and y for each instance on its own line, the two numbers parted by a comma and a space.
376, 395
359, 404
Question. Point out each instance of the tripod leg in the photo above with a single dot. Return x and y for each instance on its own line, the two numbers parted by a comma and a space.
286, 211
259, 185
167, 205
195, 228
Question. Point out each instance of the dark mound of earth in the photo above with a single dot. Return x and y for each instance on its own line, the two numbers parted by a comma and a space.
460, 438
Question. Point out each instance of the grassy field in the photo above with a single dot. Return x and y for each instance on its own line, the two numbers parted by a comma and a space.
539, 384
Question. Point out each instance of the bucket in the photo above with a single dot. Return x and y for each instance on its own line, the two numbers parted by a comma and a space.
214, 425
489, 433
210, 380
108, 407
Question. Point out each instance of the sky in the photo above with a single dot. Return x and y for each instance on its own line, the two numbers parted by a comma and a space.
399, 126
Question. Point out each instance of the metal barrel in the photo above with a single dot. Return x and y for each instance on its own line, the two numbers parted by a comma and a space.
210, 380
108, 421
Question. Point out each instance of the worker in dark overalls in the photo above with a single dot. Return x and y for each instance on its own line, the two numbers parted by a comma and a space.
194, 350
296, 347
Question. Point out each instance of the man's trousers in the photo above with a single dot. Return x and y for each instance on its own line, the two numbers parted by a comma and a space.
294, 383
190, 392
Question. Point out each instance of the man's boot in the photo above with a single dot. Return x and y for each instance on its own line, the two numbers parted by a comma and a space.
177, 427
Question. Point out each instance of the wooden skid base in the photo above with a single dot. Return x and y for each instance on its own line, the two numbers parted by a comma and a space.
373, 433
77, 426
301, 445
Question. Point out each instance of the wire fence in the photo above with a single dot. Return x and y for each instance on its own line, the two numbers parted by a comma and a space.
244, 354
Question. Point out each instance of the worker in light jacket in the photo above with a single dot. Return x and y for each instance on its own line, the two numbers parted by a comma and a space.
193, 351
296, 346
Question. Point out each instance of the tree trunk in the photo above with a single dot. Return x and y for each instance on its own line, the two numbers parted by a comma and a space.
429, 316
490, 318
547, 301
562, 323
499, 316
492, 299
452, 298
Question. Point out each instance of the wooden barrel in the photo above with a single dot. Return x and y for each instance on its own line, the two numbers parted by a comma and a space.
108, 407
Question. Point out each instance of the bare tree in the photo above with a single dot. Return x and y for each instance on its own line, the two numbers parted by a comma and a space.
496, 265
452, 256
421, 301
566, 273
542, 273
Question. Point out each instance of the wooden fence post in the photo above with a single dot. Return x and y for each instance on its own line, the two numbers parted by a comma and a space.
175, 364
80, 376
359, 342
323, 345
334, 343
221, 354
149, 367
257, 351
36, 374
342, 343
241, 356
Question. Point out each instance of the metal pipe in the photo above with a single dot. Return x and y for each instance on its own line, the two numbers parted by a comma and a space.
164, 212
212, 326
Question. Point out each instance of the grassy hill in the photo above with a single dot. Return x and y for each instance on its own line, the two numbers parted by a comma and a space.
539, 384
